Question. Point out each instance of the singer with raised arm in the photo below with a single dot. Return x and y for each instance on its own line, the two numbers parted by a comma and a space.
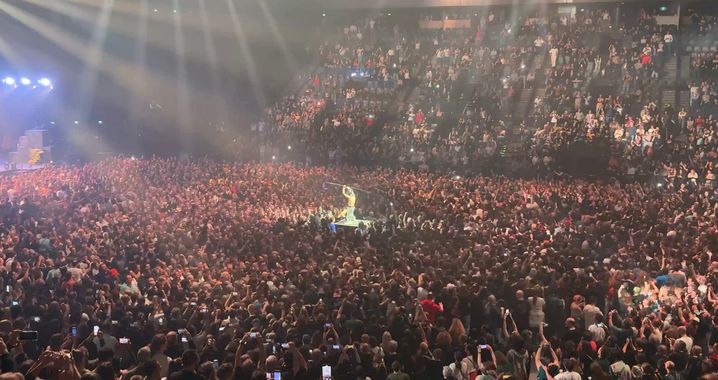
348, 212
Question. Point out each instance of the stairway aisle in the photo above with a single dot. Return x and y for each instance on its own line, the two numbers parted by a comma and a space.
670, 70
685, 69
668, 97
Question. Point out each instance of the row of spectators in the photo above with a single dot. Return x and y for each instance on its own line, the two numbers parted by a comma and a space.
370, 68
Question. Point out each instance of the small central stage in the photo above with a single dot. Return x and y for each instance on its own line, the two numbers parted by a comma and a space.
354, 223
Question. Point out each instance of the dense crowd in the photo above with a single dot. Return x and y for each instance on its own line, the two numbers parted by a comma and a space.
194, 269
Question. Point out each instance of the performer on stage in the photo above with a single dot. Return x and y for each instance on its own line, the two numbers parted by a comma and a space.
348, 212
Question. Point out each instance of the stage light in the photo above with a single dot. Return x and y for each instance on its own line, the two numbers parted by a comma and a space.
289, 147
133, 158
52, 122
44, 82
156, 10
411, 150
99, 122
9, 81
274, 157
388, 14
25, 82
324, 15
77, 122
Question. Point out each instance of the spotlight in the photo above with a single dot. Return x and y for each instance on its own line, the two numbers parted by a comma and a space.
411, 150
99, 122
9, 81
133, 158
77, 122
25, 82
274, 157
324, 15
156, 10
289, 147
45, 82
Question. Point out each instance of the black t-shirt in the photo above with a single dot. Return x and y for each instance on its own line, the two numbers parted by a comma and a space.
573, 335
680, 359
185, 375
520, 312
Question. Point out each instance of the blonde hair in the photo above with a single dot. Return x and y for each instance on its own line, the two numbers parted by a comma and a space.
456, 330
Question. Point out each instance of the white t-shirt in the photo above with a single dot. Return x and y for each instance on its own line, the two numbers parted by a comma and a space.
597, 332
568, 376
109, 341
687, 340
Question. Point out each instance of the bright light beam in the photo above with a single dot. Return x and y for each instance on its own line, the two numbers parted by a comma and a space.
138, 105
246, 55
288, 58
212, 57
117, 69
93, 59
183, 91
9, 55
79, 136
